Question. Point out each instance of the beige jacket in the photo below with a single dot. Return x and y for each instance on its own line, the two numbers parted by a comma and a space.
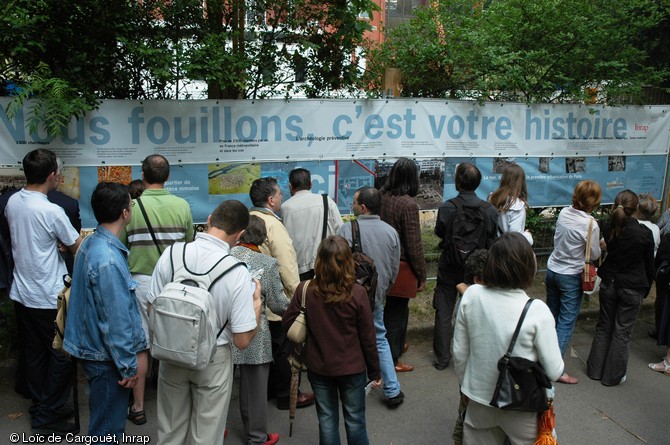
278, 245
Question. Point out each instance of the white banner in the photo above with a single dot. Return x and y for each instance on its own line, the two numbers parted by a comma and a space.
206, 132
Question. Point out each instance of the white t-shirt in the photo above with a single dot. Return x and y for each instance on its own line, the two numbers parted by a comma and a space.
36, 225
233, 294
654, 231
514, 220
570, 238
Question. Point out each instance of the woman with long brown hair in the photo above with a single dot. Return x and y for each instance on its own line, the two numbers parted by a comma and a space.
511, 201
341, 347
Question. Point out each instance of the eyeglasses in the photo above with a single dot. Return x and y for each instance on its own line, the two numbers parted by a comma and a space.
132, 203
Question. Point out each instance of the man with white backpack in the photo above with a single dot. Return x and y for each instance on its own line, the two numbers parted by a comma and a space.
193, 396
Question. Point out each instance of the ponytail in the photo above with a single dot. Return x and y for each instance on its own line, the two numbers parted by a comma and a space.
624, 206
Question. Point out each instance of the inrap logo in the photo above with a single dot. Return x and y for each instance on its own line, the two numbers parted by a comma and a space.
641, 127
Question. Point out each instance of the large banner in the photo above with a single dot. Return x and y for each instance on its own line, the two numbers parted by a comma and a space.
210, 132
217, 148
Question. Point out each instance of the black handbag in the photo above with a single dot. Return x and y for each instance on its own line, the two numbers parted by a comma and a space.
522, 384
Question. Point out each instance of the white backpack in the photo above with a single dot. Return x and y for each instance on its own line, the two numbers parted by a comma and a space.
183, 322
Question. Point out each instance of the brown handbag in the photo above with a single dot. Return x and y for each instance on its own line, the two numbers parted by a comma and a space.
405, 283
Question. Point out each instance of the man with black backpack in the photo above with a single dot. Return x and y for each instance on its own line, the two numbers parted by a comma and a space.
464, 223
380, 242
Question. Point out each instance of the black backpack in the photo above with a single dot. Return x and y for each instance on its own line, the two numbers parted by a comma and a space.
366, 271
468, 231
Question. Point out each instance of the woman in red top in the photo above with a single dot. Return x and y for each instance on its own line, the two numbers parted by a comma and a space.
341, 347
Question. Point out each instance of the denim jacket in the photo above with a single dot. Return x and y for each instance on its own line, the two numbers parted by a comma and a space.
103, 319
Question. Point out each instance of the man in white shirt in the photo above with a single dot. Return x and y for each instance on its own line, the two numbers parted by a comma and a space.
303, 216
193, 405
38, 229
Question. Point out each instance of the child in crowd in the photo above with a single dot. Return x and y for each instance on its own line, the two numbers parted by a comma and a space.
473, 267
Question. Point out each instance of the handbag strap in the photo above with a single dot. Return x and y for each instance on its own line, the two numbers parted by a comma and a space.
325, 216
518, 327
304, 295
151, 229
587, 255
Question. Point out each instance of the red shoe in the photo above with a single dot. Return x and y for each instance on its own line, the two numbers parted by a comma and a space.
273, 438
403, 367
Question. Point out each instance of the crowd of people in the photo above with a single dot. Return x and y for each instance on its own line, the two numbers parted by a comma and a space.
299, 259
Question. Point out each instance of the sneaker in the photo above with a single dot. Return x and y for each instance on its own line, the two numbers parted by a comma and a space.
623, 379
393, 402
273, 438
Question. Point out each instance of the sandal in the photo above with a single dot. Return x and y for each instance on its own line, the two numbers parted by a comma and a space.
137, 417
663, 367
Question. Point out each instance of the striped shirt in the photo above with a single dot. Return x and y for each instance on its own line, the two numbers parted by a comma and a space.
171, 220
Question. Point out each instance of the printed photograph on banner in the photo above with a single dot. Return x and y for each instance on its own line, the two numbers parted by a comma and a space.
543, 165
228, 179
499, 164
352, 175
616, 163
10, 179
121, 174
431, 180
70, 184
575, 165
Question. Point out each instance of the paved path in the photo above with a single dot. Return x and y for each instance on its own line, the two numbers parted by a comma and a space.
636, 412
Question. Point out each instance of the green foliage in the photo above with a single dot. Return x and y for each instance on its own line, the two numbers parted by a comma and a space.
121, 49
539, 51
55, 105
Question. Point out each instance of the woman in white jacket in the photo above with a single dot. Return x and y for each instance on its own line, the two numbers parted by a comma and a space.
511, 201
485, 322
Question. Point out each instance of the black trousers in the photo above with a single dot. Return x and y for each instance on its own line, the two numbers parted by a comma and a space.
444, 300
48, 373
396, 317
279, 382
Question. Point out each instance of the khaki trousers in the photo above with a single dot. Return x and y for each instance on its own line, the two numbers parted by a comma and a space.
193, 405
486, 425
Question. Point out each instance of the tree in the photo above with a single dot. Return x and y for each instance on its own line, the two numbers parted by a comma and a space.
150, 49
516, 50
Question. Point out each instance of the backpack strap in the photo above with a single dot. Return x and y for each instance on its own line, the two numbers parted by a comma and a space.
457, 202
204, 280
325, 216
356, 237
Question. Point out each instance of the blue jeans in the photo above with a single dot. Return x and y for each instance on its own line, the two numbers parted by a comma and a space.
351, 389
107, 400
391, 385
564, 298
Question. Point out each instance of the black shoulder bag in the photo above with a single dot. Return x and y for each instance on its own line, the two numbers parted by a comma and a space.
522, 383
